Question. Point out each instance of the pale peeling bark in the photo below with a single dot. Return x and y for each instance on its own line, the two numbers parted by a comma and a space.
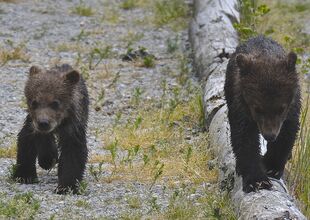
212, 31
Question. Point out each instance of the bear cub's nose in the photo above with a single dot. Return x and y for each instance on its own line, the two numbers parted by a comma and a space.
44, 125
270, 137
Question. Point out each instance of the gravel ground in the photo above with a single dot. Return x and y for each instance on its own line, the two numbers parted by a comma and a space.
50, 33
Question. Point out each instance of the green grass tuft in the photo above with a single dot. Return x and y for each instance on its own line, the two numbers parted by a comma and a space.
128, 4
13, 52
21, 206
167, 11
300, 166
83, 10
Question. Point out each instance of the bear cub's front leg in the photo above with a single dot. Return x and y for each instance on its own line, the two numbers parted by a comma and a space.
72, 159
245, 144
25, 169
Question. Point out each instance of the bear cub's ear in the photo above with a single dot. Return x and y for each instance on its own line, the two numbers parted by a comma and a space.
291, 61
34, 70
243, 61
72, 77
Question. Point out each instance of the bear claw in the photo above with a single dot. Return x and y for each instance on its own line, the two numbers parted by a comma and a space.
66, 190
254, 186
274, 174
26, 180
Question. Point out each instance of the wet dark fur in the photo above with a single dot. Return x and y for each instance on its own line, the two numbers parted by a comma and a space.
68, 136
263, 96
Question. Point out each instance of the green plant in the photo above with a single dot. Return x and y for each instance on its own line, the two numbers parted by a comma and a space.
137, 122
96, 172
131, 38
179, 207
148, 62
81, 36
172, 44
85, 72
218, 206
131, 154
111, 15
52, 217
100, 54
300, 166
146, 159
112, 147
156, 152
13, 52
201, 110
302, 7
184, 70
158, 170
136, 97
83, 10
211, 205
284, 24
134, 202
153, 204
83, 204
188, 155
101, 96
128, 4
11, 172
167, 11
118, 117
115, 79
250, 12
78, 59
175, 100
164, 87
131, 216
82, 186
305, 66
21, 206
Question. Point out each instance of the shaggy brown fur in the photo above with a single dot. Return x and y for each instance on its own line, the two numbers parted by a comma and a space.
57, 102
263, 96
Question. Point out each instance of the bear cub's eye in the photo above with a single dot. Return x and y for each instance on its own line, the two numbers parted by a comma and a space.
34, 104
55, 104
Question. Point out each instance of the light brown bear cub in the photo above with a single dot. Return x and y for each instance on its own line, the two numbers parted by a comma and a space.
57, 101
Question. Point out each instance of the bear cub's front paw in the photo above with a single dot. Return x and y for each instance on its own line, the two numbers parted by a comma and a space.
25, 179
23, 176
255, 183
273, 168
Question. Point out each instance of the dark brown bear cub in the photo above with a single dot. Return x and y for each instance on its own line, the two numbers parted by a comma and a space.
57, 103
263, 96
